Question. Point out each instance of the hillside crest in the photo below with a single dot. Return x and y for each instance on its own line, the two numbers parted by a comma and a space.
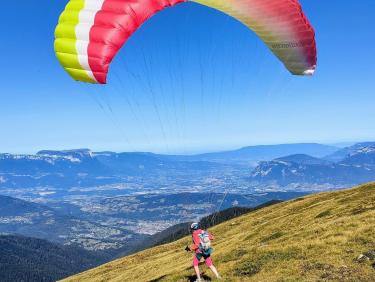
314, 238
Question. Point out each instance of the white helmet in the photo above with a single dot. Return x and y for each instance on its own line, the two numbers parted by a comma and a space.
194, 226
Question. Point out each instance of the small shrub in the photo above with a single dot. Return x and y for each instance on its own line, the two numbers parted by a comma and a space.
324, 214
248, 269
273, 236
298, 199
360, 210
361, 240
250, 236
161, 278
241, 252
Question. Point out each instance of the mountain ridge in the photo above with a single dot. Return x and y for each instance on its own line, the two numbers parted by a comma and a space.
85, 168
358, 166
253, 154
30, 259
346, 151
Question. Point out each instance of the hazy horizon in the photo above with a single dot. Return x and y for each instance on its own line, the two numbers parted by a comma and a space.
192, 152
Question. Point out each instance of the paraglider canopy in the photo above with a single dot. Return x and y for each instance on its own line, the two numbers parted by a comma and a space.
91, 32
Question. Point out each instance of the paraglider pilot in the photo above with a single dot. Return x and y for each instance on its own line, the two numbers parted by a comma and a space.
202, 249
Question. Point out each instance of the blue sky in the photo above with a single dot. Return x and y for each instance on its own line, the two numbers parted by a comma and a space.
190, 80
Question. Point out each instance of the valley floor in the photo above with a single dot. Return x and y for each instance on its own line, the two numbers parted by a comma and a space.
314, 238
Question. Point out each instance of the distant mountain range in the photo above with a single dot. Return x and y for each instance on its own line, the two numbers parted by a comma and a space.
346, 167
253, 154
281, 164
345, 152
83, 168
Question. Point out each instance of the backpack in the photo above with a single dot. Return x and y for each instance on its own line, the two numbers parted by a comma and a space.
205, 242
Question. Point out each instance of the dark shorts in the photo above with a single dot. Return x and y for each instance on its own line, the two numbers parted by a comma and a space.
198, 257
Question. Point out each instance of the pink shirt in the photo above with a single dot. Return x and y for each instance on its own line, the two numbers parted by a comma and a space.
197, 240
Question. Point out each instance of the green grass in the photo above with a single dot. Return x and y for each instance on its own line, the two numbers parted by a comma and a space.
315, 238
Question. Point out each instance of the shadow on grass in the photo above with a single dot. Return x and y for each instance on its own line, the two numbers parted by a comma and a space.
158, 279
192, 278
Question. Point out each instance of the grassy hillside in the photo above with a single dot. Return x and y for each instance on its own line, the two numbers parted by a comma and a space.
181, 230
315, 238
